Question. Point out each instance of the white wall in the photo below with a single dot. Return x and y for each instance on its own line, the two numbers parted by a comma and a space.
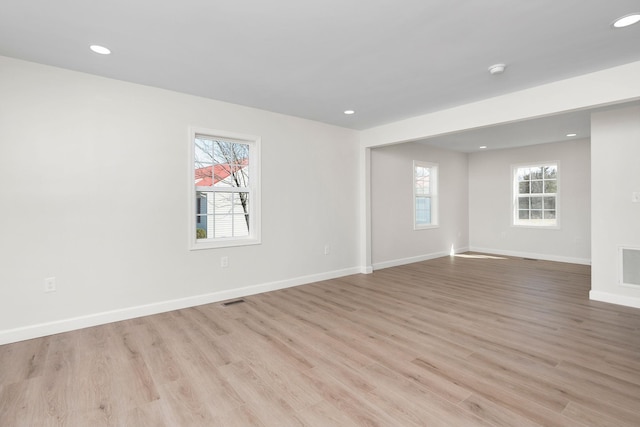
94, 191
490, 203
394, 241
605, 87
615, 155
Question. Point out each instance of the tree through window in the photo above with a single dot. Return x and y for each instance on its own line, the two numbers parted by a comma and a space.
224, 175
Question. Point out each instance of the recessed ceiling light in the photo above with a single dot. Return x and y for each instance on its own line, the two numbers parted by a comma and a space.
497, 68
571, 134
482, 147
349, 112
627, 20
99, 49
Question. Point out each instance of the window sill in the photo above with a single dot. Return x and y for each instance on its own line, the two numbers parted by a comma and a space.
537, 227
425, 227
222, 243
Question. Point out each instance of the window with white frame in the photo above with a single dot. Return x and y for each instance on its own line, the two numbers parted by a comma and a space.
535, 195
425, 195
224, 189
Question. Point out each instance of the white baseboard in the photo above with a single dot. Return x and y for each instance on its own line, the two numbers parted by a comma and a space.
65, 325
366, 269
532, 255
614, 299
411, 260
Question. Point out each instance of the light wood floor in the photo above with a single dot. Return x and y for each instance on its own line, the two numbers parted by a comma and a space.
464, 341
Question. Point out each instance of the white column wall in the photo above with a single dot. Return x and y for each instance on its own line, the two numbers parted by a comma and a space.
615, 156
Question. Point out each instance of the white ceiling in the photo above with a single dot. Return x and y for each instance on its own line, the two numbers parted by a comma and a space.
542, 130
530, 132
388, 60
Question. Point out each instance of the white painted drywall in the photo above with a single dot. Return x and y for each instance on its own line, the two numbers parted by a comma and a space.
93, 191
490, 206
394, 241
615, 159
610, 86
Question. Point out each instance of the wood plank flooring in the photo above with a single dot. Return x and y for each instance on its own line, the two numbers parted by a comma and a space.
469, 340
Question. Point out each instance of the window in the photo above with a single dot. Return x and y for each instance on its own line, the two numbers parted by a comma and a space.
425, 195
224, 189
535, 190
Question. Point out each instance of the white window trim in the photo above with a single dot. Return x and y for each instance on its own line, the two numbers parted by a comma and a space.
434, 195
514, 195
254, 237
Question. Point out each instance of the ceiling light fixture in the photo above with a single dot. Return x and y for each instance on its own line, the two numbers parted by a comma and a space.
571, 134
99, 49
349, 112
482, 147
497, 68
626, 20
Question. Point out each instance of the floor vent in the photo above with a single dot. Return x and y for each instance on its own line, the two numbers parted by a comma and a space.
630, 266
235, 301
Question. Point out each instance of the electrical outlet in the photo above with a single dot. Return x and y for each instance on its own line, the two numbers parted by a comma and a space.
50, 284
224, 262
327, 249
